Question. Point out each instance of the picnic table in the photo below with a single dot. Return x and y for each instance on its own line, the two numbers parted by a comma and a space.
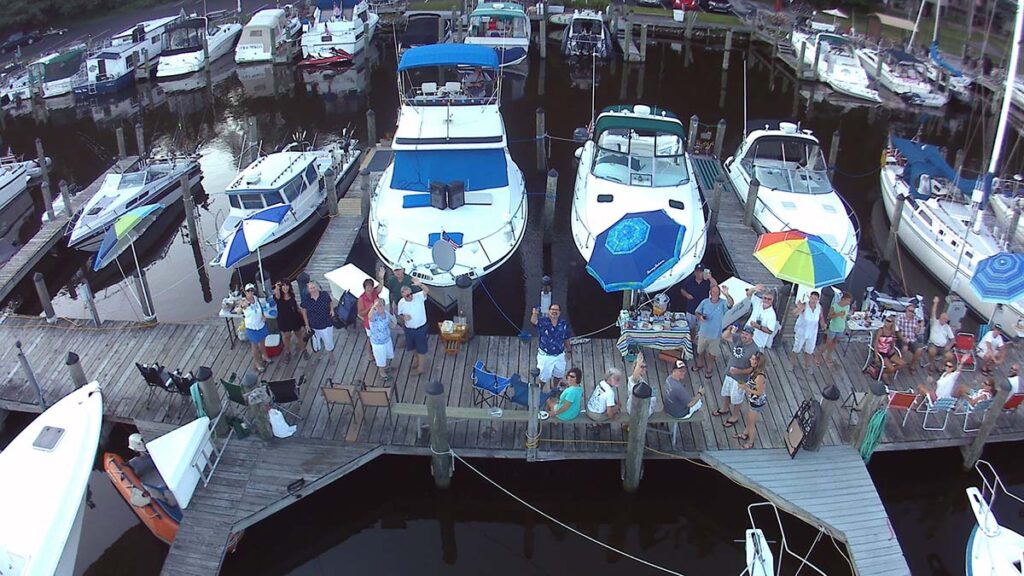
674, 336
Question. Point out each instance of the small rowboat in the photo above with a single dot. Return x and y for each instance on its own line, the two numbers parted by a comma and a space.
160, 516
339, 57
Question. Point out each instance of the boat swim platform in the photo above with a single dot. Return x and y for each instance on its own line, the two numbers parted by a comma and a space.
831, 490
50, 233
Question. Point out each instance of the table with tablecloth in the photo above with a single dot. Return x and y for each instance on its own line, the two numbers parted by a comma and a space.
674, 338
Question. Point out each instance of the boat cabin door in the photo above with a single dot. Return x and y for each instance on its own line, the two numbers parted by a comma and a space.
101, 68
138, 34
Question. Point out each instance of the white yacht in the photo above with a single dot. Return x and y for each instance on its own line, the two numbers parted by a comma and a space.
294, 177
838, 66
503, 26
14, 177
150, 181
44, 474
795, 192
904, 75
636, 161
111, 67
57, 70
452, 178
587, 36
271, 35
331, 32
183, 51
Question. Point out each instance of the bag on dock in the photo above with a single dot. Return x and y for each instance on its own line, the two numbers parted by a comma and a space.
345, 311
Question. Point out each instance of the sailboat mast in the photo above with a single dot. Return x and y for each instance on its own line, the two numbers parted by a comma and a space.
935, 30
917, 23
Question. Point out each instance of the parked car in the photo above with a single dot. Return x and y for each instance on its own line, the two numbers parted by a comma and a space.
718, 6
19, 39
654, 3
684, 4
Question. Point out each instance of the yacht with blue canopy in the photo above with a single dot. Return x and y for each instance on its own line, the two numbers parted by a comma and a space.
504, 26
451, 181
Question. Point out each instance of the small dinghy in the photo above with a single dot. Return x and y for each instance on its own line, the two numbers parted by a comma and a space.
339, 57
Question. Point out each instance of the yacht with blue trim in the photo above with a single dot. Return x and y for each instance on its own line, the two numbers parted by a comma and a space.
111, 67
452, 179
503, 26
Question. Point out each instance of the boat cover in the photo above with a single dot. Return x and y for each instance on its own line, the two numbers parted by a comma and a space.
649, 123
926, 159
449, 55
938, 59
484, 169
901, 56
175, 453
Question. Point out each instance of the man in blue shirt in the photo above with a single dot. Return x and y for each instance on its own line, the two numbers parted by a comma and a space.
554, 334
710, 315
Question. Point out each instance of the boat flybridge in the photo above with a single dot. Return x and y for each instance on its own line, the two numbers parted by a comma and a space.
183, 51
503, 26
904, 75
452, 191
838, 66
636, 161
338, 32
794, 192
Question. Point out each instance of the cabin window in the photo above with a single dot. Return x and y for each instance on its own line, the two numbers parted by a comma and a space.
292, 189
310, 174
641, 158
234, 201
789, 164
925, 218
255, 33
251, 201
272, 198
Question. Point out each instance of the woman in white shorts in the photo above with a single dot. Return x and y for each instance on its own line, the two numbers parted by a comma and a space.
805, 333
380, 322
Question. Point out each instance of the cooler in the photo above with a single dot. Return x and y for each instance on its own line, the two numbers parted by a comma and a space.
273, 343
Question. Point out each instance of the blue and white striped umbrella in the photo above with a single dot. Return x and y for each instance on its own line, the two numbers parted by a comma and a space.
1000, 278
251, 233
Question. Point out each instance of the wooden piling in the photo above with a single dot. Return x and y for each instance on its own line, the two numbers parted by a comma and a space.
894, 228
142, 289
211, 399
44, 297
464, 301
800, 63
833, 153
817, 58
190, 212
542, 39
533, 424
691, 136
371, 128
643, 42
829, 398
122, 149
872, 401
44, 180
74, 364
541, 137
145, 63
878, 68
550, 196
65, 197
637, 437
441, 453
90, 300
364, 199
627, 48
748, 208
140, 140
988, 423
728, 49
715, 203
30, 376
719, 138
332, 192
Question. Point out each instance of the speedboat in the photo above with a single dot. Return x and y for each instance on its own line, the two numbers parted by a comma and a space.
183, 51
993, 549
271, 35
452, 181
636, 161
111, 67
151, 181
44, 473
904, 75
503, 26
794, 191
335, 33
587, 36
14, 177
936, 225
837, 64
422, 29
293, 177
57, 69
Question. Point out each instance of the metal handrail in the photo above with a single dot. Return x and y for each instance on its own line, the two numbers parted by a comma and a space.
804, 561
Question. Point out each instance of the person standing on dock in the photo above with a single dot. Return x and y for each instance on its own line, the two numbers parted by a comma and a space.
412, 313
254, 315
762, 315
395, 282
757, 397
710, 315
940, 335
805, 333
911, 331
289, 320
743, 347
694, 290
318, 315
838, 313
553, 333
380, 321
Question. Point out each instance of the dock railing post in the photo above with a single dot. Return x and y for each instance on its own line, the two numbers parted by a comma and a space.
533, 424
371, 128
872, 401
44, 297
637, 438
259, 403
44, 181
190, 213
833, 154
716, 201
542, 38
90, 300
122, 149
550, 196
691, 136
211, 399
748, 208
29, 375
140, 140
719, 138
973, 452
65, 197
440, 451
829, 397
643, 42
800, 62
464, 300
541, 144
74, 364
894, 228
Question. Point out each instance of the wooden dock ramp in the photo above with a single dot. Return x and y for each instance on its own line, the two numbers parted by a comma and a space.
830, 489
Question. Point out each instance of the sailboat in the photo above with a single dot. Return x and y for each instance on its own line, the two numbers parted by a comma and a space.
992, 549
944, 222
904, 75
939, 70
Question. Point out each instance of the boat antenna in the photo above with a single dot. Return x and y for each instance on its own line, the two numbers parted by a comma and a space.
593, 86
744, 98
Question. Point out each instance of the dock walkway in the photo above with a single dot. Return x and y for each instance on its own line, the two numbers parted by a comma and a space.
50, 233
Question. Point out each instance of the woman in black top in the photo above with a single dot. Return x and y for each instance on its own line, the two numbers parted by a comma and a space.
289, 321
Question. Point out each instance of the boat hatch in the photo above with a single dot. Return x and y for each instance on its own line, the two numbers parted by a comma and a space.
48, 438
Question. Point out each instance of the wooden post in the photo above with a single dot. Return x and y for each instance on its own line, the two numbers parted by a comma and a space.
142, 289
44, 297
259, 403
829, 397
441, 453
29, 374
332, 193
800, 62
364, 200
719, 138
973, 452
878, 68
206, 51
643, 42
464, 301
748, 209
65, 197
817, 57
637, 437
140, 140
542, 39
541, 78
541, 137
716, 200
44, 180
833, 153
211, 399
122, 149
74, 364
691, 136
872, 401
533, 425
190, 213
371, 127
728, 48
90, 300
894, 228
145, 63
550, 195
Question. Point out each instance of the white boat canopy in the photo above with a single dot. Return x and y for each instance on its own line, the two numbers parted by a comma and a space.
181, 455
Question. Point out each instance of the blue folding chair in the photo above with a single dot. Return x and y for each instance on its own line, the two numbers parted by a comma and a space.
489, 389
940, 406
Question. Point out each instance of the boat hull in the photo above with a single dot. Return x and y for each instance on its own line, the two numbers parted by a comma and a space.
285, 239
105, 86
13, 185
124, 480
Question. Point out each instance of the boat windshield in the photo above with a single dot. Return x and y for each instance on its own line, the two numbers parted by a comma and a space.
450, 85
131, 180
641, 158
790, 164
183, 39
498, 26
587, 26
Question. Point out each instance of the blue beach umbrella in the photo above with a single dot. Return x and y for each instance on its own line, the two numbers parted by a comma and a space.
1000, 278
636, 250
251, 233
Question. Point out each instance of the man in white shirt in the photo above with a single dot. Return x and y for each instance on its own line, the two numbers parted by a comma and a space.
1014, 378
940, 335
945, 386
991, 349
412, 313
762, 315
604, 402
640, 375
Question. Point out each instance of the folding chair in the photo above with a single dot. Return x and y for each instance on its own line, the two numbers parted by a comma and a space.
690, 417
941, 406
903, 401
875, 359
156, 379
182, 386
1013, 402
489, 389
963, 350
235, 393
335, 394
376, 398
285, 392
966, 410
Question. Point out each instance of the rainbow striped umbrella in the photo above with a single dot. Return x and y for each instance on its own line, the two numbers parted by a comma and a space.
801, 258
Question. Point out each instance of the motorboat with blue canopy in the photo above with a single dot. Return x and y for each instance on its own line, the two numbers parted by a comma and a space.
453, 202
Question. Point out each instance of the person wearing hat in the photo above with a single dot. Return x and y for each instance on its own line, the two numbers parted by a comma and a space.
254, 315
733, 393
394, 283
694, 290
911, 331
678, 400
992, 349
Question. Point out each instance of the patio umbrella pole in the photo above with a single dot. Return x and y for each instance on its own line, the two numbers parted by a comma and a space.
263, 281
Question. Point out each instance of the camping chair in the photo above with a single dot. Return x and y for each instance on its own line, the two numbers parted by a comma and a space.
940, 406
966, 410
338, 394
376, 398
1013, 402
183, 386
903, 401
963, 350
489, 389
156, 379
692, 415
235, 393
285, 392
873, 360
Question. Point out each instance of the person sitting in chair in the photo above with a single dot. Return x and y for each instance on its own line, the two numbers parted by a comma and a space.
567, 405
885, 345
945, 386
992, 349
